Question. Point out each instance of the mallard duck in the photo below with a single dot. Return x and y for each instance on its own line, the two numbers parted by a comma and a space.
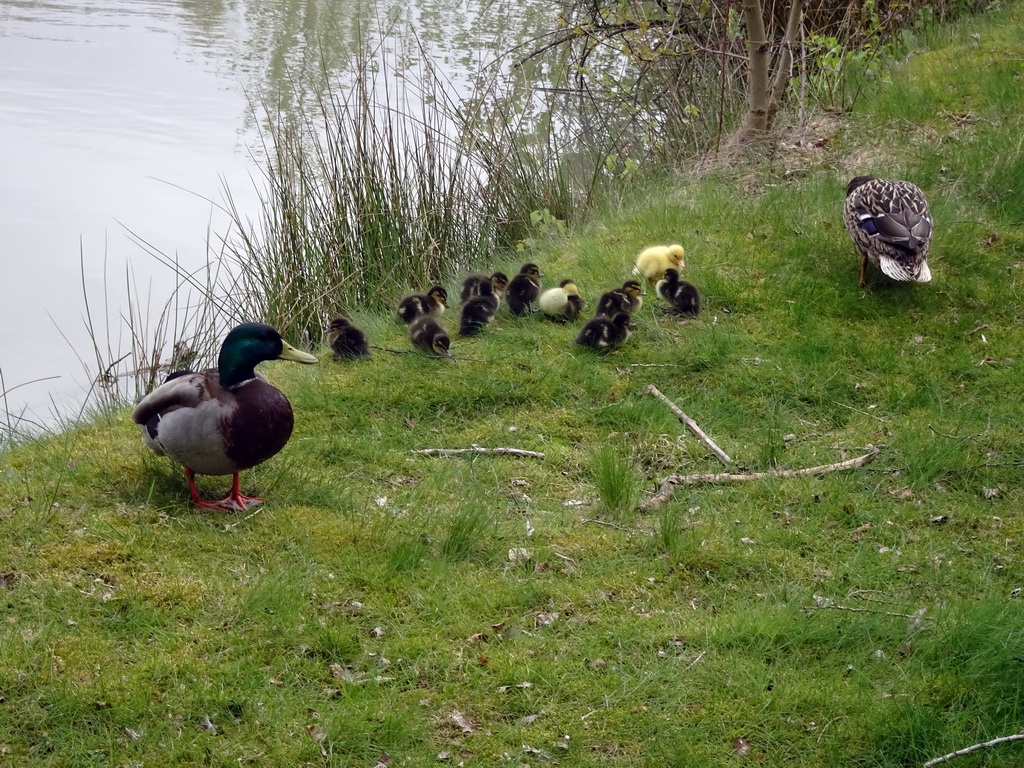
523, 290
347, 341
605, 333
562, 303
432, 303
478, 310
891, 227
681, 296
223, 420
429, 336
629, 298
652, 262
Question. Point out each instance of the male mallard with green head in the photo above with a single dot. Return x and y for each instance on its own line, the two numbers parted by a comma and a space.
223, 420
891, 226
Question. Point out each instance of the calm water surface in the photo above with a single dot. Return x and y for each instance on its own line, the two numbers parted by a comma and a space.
124, 120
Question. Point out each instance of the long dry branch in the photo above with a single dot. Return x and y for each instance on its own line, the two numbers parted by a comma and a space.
479, 449
691, 425
972, 748
670, 483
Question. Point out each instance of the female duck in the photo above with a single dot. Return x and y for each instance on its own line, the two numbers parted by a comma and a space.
223, 420
891, 226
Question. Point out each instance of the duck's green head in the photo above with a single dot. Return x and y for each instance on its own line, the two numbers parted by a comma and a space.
249, 344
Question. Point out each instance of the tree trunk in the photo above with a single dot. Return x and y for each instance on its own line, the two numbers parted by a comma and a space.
756, 120
763, 103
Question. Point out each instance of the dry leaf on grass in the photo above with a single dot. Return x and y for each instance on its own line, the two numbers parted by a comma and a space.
464, 723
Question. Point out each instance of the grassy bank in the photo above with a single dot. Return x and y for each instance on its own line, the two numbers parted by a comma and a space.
491, 609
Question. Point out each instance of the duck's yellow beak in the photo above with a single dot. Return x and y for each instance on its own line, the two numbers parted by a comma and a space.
296, 356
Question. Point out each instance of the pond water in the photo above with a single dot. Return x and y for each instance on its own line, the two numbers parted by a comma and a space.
122, 122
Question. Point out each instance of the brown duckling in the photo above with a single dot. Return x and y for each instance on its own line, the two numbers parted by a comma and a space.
346, 341
604, 334
629, 298
429, 336
523, 290
681, 296
478, 310
432, 303
562, 303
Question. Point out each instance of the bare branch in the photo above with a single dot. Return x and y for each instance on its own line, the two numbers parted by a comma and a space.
669, 484
973, 748
691, 425
479, 449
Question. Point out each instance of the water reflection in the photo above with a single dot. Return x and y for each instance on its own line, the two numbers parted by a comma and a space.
120, 115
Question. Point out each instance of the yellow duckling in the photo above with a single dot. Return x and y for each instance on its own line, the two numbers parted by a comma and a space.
562, 303
652, 262
417, 305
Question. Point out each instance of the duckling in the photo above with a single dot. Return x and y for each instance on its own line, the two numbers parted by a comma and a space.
562, 303
417, 305
605, 333
471, 285
681, 296
499, 281
523, 290
479, 310
652, 262
347, 341
429, 336
223, 420
891, 226
629, 298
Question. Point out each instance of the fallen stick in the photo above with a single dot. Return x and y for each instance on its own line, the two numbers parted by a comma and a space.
479, 449
669, 484
972, 748
691, 425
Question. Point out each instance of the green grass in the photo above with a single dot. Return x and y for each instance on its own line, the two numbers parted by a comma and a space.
374, 595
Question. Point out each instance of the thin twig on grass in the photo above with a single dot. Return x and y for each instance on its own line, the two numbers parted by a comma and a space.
691, 425
973, 748
616, 526
828, 602
669, 484
981, 327
479, 449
